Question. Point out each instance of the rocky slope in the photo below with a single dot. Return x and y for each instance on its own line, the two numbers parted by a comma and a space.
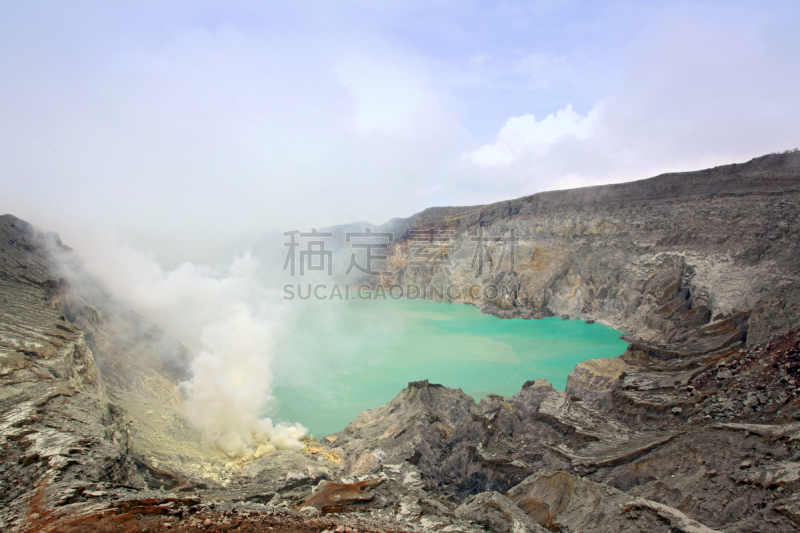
92, 432
58, 431
658, 257
695, 428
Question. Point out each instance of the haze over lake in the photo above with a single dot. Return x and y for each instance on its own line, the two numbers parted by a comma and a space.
350, 356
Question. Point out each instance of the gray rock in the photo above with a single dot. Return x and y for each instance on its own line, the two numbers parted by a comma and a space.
497, 513
563, 502
724, 373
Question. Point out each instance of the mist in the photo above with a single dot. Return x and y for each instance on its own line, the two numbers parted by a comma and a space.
228, 317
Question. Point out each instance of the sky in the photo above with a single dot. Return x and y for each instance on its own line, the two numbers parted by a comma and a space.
191, 128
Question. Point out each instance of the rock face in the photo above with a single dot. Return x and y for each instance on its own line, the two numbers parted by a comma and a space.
658, 258
695, 428
58, 432
559, 501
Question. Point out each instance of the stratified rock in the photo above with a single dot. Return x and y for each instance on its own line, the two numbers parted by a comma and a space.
774, 315
562, 502
90, 415
496, 513
59, 435
594, 381
790, 507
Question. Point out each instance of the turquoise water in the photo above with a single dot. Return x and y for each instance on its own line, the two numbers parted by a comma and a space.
350, 356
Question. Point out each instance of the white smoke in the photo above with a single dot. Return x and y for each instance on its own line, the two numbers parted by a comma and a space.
228, 317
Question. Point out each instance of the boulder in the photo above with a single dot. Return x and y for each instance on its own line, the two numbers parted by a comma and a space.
497, 513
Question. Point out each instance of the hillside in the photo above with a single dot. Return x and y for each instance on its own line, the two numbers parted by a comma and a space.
694, 428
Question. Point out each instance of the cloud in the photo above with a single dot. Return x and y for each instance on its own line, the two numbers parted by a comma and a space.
696, 94
523, 137
393, 100
175, 143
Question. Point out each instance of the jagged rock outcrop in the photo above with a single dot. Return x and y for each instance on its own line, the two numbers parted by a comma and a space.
595, 380
605, 475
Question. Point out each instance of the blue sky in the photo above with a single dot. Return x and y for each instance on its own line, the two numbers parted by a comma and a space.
300, 114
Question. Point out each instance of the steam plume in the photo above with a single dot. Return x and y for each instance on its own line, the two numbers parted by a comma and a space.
228, 317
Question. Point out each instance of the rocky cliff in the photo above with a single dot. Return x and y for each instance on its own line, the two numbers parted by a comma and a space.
658, 257
695, 428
